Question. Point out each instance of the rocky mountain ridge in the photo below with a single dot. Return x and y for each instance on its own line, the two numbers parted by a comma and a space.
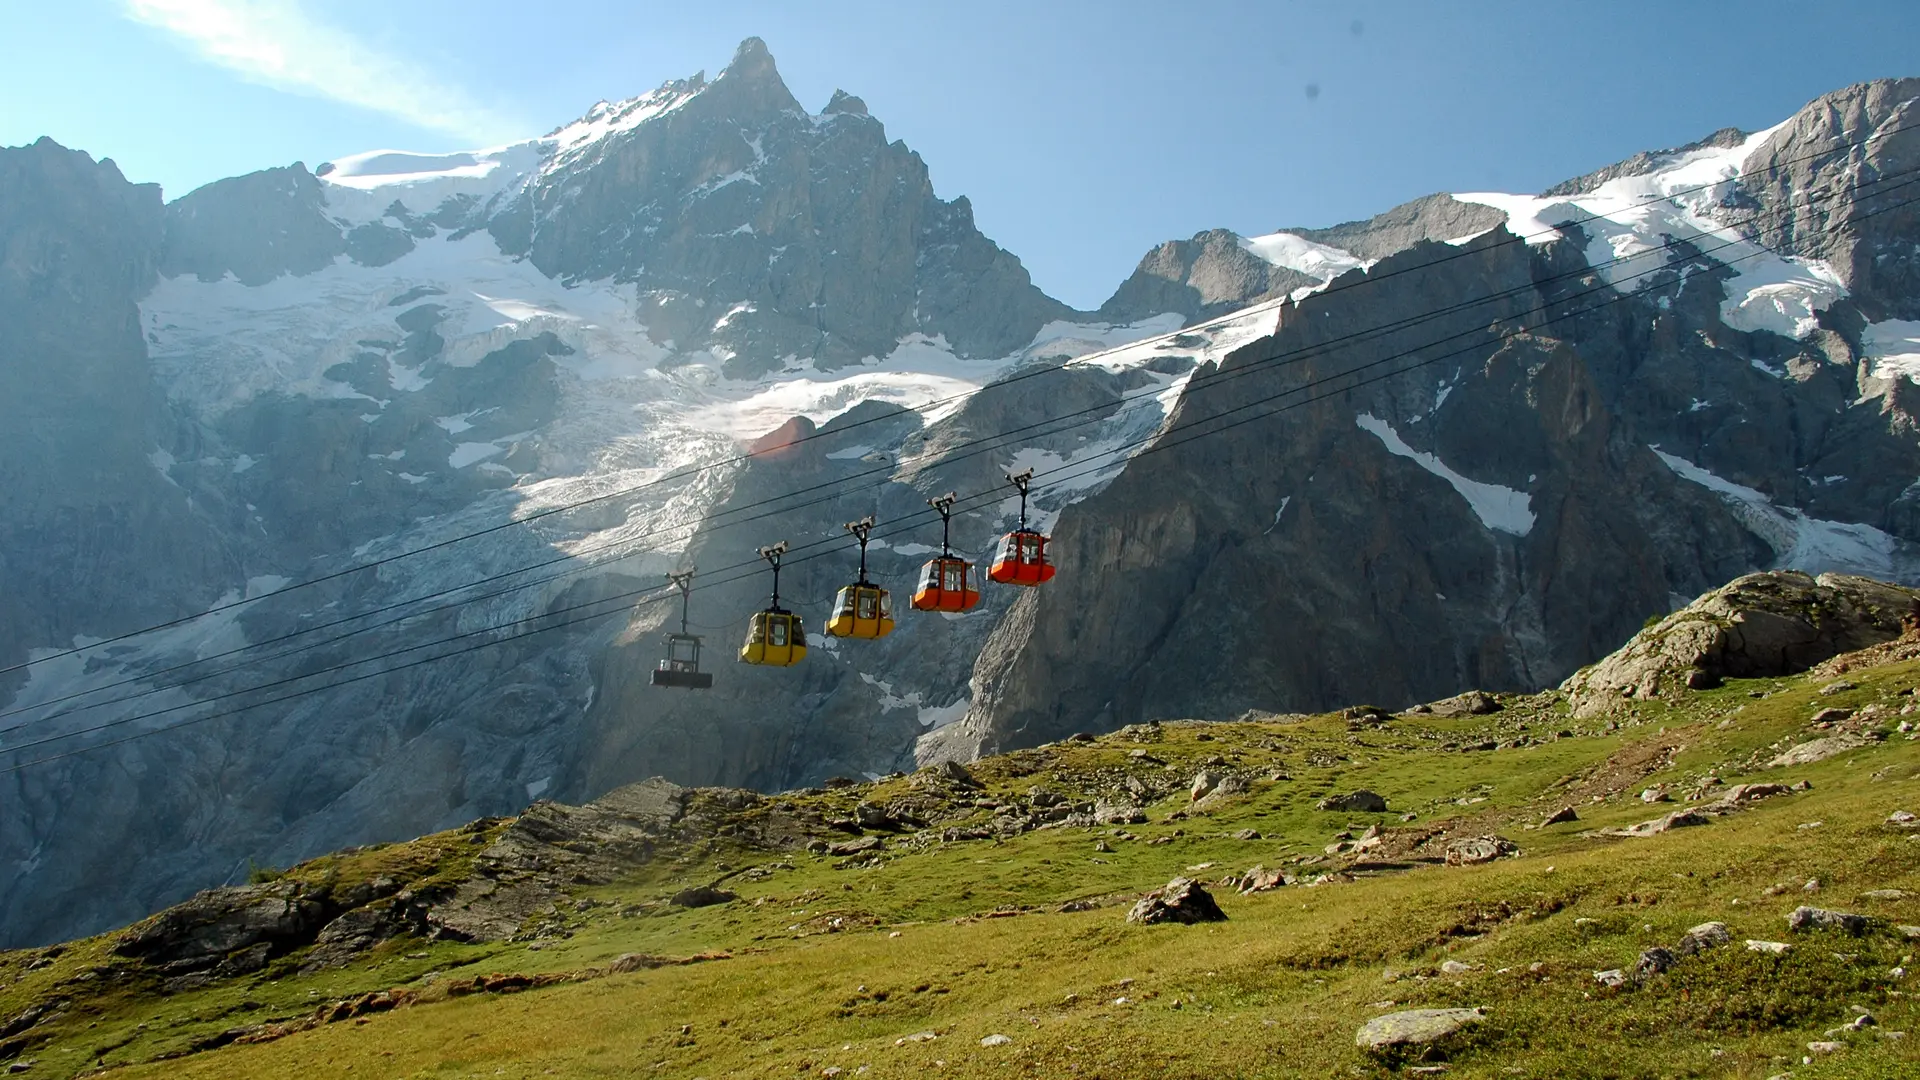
393, 349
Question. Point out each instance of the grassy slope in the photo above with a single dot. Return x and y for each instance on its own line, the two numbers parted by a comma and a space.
1278, 990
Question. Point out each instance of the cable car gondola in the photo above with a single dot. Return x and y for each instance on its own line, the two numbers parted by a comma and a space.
946, 583
774, 637
1023, 552
862, 609
681, 667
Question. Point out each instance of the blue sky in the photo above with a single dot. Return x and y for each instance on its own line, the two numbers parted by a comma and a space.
1084, 133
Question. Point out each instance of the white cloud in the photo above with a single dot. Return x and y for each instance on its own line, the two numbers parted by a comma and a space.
274, 43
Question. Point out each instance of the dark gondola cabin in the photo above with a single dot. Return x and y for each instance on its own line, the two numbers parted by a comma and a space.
681, 666
862, 609
949, 582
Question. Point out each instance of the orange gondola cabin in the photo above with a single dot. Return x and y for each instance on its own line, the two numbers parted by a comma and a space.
949, 582
1022, 559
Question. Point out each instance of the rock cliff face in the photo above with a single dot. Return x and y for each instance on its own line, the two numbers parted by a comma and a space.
1501, 515
288, 375
94, 538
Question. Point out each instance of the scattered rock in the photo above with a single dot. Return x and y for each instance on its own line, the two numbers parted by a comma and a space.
1260, 879
1203, 784
916, 1037
957, 773
855, 846
1655, 794
701, 896
995, 1040
1771, 948
1561, 816
1840, 687
1741, 794
1414, 1028
1709, 935
1820, 750
1474, 850
1181, 900
1654, 961
1612, 977
1360, 802
1455, 967
1885, 894
1903, 819
1679, 819
1831, 716
1804, 918
1826, 1047
1471, 703
1247, 834
1773, 623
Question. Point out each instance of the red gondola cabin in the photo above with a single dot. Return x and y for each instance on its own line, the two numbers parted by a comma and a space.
1022, 559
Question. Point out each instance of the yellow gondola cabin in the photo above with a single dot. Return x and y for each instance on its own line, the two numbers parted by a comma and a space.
775, 637
862, 609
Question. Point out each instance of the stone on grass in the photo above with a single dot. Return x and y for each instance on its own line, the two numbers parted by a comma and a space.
1826, 1047
1260, 879
1359, 802
1182, 900
1805, 918
1820, 750
1561, 816
1204, 782
1740, 794
1885, 894
1474, 850
1708, 935
1771, 948
1679, 819
1612, 977
1414, 1028
1654, 961
701, 896
995, 1040
1903, 819
1455, 967
855, 846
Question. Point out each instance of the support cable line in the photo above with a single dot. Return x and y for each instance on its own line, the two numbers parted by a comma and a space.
694, 470
1248, 367
1060, 474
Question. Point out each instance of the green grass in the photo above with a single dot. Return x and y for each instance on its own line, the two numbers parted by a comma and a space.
1278, 990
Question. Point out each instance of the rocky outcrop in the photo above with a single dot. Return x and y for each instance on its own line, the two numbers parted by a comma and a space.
96, 537
829, 233
1776, 623
255, 227
1822, 187
1201, 278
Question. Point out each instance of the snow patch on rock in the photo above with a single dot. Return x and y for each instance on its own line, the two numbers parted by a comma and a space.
1499, 508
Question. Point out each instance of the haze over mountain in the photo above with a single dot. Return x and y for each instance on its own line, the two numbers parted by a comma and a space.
1631, 389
